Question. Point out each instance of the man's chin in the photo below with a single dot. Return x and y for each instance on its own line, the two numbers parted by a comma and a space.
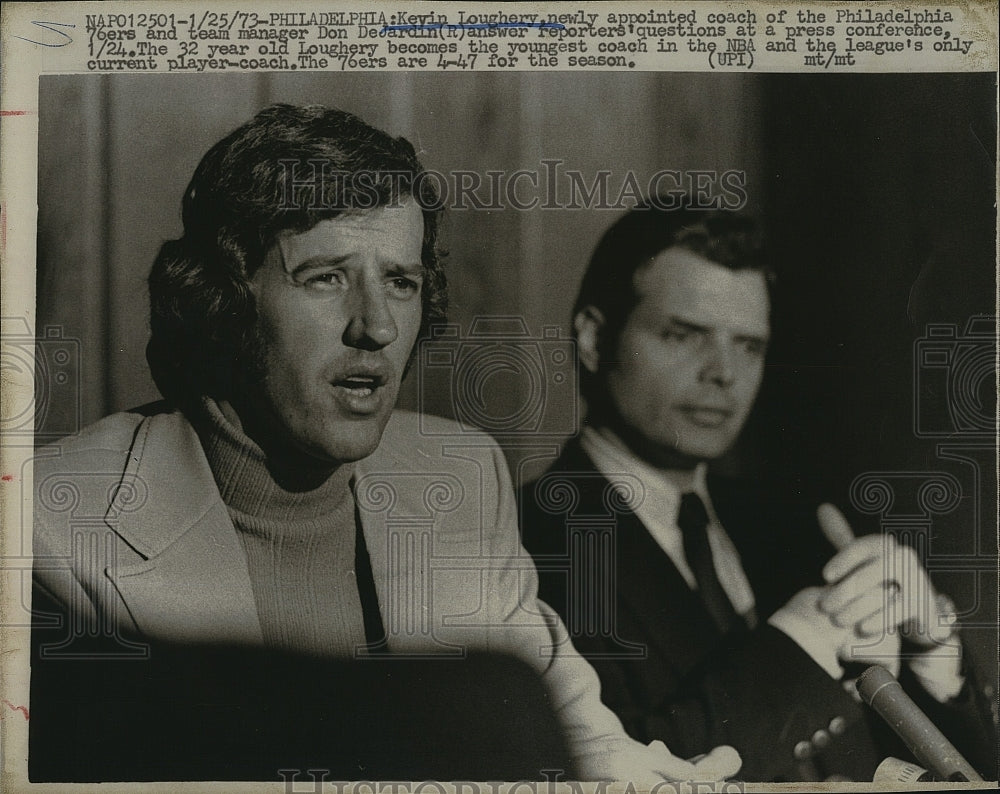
686, 453
347, 447
704, 449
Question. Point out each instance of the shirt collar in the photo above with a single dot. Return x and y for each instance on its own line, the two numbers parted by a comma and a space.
662, 488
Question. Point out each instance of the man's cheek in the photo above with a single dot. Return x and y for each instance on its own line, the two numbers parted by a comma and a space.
750, 392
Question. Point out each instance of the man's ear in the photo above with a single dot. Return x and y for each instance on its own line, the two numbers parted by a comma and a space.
588, 323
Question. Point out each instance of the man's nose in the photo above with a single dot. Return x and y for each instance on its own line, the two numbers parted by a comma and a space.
720, 364
371, 325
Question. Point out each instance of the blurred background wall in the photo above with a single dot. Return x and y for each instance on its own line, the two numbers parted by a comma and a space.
877, 192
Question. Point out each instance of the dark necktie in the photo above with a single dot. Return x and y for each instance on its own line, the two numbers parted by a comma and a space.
693, 521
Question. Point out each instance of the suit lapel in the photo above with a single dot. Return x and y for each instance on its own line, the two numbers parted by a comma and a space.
398, 530
672, 617
192, 584
653, 598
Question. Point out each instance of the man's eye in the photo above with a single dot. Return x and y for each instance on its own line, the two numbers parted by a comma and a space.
679, 334
754, 347
403, 287
330, 279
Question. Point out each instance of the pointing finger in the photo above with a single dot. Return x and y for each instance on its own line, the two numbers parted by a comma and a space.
835, 527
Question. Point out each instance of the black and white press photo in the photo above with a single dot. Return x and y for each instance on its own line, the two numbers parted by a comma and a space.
505, 419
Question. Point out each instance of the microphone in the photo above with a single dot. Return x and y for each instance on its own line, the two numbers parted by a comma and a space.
883, 693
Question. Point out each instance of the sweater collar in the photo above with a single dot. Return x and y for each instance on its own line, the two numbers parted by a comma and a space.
252, 483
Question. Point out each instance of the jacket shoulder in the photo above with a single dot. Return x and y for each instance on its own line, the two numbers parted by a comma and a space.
572, 470
99, 445
571, 484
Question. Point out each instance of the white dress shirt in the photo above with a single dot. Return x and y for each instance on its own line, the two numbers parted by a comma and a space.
657, 507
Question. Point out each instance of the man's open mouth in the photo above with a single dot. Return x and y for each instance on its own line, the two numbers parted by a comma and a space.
360, 385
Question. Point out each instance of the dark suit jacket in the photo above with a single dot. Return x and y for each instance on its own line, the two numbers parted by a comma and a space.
664, 667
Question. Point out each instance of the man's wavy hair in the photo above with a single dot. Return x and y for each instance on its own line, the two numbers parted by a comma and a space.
285, 170
728, 238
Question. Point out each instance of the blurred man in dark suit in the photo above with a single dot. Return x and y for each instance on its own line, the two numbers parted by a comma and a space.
715, 610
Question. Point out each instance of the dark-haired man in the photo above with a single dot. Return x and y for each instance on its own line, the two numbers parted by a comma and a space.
713, 611
276, 507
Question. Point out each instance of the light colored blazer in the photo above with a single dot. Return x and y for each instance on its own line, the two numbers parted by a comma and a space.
133, 538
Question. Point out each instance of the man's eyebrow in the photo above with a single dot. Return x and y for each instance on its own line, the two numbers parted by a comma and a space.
315, 262
411, 269
693, 326
762, 338
688, 325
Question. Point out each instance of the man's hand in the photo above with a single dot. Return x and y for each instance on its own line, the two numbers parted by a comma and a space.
876, 585
720, 763
646, 765
878, 593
